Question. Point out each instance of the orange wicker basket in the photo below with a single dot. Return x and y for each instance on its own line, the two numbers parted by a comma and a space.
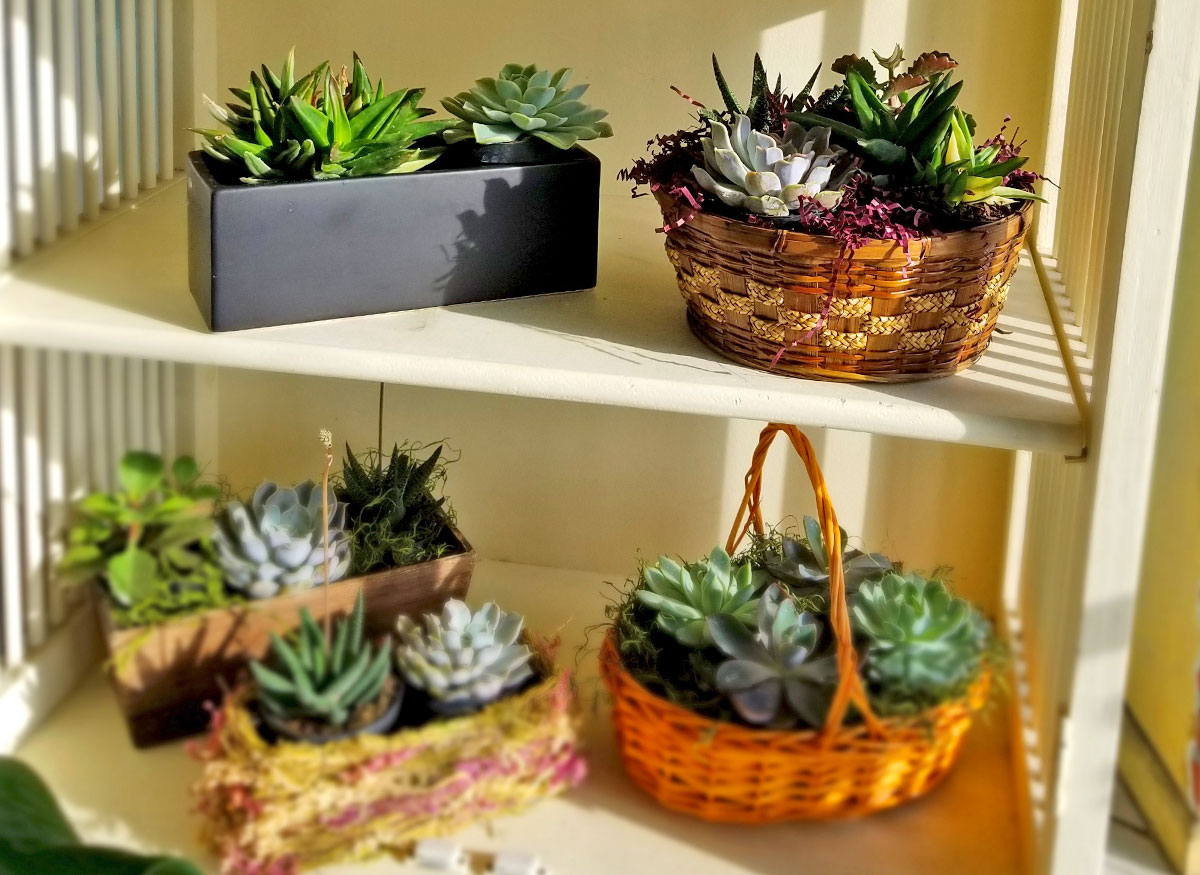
762, 296
730, 773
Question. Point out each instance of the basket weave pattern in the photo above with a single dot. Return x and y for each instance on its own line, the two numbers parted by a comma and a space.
277, 809
881, 315
730, 773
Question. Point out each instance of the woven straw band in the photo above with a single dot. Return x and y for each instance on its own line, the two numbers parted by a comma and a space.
732, 773
284, 807
795, 304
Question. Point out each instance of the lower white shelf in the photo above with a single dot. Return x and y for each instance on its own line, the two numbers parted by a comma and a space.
120, 795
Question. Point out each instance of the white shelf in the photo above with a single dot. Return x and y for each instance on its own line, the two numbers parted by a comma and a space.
117, 794
120, 287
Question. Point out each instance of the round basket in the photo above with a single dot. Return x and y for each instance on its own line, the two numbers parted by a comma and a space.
737, 774
762, 296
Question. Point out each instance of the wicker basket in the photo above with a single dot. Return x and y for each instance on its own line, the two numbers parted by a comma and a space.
277, 809
761, 296
731, 773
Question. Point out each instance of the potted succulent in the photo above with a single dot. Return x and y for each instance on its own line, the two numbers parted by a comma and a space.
851, 682
856, 234
488, 726
302, 154
193, 589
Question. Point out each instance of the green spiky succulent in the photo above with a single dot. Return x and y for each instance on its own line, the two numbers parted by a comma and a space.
684, 597
392, 514
766, 107
322, 681
909, 125
321, 126
923, 644
525, 102
803, 563
771, 675
276, 541
463, 660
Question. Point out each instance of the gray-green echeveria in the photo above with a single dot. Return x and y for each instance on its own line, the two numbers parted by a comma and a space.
463, 660
276, 541
525, 102
754, 171
684, 597
771, 676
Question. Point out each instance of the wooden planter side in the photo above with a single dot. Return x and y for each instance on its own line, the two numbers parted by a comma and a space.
164, 675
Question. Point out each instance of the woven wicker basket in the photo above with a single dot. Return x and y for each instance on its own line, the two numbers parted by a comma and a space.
278, 809
753, 291
730, 773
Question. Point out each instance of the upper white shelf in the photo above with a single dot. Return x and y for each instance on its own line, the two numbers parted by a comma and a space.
120, 287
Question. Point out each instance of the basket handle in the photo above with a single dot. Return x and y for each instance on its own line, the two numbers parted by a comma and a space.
850, 686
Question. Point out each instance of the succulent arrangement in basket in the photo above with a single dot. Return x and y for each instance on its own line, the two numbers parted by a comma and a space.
150, 541
884, 154
747, 638
322, 125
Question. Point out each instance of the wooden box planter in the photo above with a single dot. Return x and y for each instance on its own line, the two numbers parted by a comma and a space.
164, 675
464, 229
281, 807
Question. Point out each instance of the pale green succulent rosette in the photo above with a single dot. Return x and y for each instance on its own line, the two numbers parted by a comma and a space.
525, 102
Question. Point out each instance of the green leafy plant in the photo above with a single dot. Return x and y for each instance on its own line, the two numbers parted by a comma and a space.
923, 644
803, 563
771, 676
525, 102
149, 541
750, 169
918, 136
321, 680
392, 514
275, 541
37, 839
685, 596
321, 126
463, 660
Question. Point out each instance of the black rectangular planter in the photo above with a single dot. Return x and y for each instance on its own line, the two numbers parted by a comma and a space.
454, 232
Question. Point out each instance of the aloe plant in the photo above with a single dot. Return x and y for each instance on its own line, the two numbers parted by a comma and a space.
321, 126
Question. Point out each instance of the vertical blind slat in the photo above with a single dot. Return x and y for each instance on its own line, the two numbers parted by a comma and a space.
110, 103
65, 54
98, 413
169, 388
55, 452
89, 108
147, 99
127, 42
33, 522
166, 89
12, 608
20, 93
6, 222
135, 406
152, 415
46, 121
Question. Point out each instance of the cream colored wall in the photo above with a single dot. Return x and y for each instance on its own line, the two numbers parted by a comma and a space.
588, 487
1162, 690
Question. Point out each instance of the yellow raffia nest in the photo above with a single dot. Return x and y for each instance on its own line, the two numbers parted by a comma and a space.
276, 809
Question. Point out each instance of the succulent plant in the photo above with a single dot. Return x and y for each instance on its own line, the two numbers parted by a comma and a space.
684, 597
922, 640
463, 660
753, 170
321, 680
803, 563
918, 136
276, 541
321, 126
150, 541
771, 676
521, 102
767, 107
392, 515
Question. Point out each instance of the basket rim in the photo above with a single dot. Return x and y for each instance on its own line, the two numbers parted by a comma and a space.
610, 659
665, 198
